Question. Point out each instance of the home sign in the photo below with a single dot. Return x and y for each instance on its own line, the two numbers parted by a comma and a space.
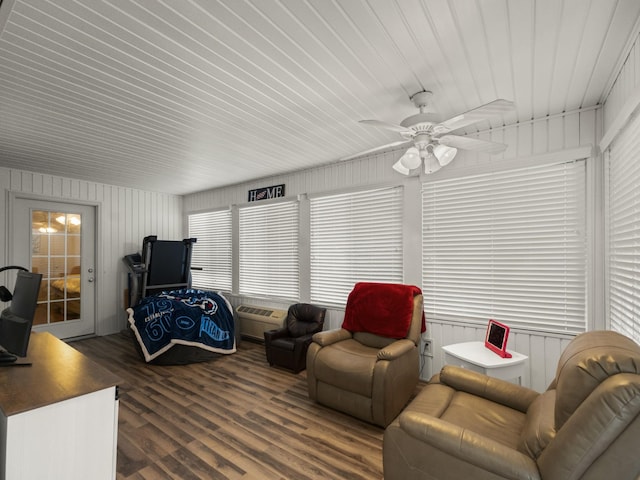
264, 193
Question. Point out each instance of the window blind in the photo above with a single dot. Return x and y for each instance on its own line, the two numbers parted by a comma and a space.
355, 237
212, 251
509, 246
624, 232
268, 250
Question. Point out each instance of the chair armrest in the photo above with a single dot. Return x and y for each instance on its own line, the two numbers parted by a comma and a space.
499, 391
304, 339
271, 335
331, 336
469, 447
396, 349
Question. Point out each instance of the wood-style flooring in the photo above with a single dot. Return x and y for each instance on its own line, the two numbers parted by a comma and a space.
234, 417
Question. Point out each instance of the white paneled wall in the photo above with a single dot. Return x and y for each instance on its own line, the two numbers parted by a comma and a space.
125, 217
524, 143
371, 170
543, 350
528, 143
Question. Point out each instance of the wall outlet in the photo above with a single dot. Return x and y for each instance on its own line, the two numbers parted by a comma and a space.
427, 349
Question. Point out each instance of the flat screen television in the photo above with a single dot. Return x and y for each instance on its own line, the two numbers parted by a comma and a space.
17, 319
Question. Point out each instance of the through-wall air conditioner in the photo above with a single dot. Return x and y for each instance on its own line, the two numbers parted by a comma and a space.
254, 321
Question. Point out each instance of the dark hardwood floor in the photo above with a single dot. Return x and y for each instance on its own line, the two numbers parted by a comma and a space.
234, 417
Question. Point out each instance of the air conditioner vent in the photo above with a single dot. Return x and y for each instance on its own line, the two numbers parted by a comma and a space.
255, 311
255, 320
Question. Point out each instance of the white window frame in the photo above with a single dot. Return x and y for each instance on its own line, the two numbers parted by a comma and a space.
354, 237
268, 251
622, 177
212, 251
508, 245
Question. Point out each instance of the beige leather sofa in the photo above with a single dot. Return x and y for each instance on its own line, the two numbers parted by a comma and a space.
363, 374
586, 425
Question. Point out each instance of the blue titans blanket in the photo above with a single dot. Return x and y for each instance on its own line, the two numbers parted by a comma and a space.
187, 317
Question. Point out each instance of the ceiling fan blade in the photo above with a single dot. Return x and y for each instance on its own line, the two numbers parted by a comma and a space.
468, 143
485, 112
372, 150
387, 126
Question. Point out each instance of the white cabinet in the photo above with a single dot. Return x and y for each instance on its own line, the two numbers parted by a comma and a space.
59, 416
475, 356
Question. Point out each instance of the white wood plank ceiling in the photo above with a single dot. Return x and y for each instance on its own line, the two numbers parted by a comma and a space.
181, 96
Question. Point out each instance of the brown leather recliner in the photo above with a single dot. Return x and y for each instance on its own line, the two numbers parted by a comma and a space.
362, 373
586, 425
287, 346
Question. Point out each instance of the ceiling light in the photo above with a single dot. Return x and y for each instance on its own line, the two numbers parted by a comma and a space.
400, 168
431, 164
408, 161
71, 219
430, 161
411, 158
444, 154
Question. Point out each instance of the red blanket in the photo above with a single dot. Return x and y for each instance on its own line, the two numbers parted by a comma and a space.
381, 308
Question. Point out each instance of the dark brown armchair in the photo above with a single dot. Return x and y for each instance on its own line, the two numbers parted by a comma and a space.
287, 346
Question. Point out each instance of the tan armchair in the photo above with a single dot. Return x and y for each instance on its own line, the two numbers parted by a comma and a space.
586, 425
369, 367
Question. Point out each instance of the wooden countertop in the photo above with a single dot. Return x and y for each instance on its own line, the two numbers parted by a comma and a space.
57, 372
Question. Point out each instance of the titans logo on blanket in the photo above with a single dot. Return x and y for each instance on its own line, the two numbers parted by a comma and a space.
187, 317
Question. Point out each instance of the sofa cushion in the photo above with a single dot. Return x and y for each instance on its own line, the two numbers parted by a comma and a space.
372, 340
484, 417
469, 412
286, 343
347, 365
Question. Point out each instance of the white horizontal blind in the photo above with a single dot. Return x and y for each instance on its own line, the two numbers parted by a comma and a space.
355, 237
509, 246
624, 232
269, 263
212, 250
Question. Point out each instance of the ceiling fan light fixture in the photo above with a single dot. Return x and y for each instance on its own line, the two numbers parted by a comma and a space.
436, 146
431, 164
411, 158
400, 168
444, 154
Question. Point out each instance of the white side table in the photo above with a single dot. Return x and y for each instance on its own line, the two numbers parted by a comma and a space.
475, 356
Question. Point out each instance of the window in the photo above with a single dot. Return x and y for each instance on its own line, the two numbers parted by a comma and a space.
269, 263
355, 237
624, 232
508, 246
212, 250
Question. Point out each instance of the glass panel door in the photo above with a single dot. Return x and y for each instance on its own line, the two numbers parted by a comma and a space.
57, 240
55, 252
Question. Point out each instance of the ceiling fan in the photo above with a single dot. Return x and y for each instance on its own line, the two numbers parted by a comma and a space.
429, 138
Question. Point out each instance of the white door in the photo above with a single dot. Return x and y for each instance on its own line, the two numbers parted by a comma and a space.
58, 240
